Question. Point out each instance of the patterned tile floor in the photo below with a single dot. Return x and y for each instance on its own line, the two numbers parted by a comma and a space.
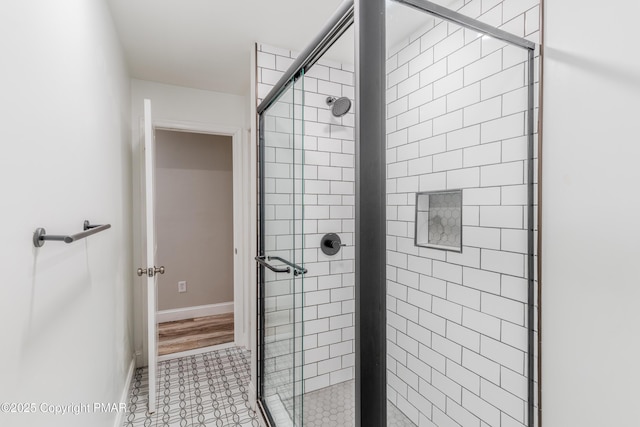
208, 389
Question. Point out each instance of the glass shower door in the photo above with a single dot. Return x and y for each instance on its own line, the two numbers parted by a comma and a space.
280, 258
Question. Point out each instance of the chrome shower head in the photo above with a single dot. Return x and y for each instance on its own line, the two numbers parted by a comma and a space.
339, 106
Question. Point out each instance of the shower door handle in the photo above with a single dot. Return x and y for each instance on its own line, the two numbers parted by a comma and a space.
262, 262
296, 268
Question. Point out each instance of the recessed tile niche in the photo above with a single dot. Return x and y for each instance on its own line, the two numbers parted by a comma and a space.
439, 220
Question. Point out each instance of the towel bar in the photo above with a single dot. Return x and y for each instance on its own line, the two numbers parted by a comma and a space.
40, 235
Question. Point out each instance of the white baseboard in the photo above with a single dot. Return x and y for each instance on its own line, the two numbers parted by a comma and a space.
193, 312
124, 397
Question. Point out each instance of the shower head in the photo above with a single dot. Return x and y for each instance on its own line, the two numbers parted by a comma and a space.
339, 106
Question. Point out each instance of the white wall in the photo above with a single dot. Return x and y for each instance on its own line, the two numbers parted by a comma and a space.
590, 210
180, 106
65, 310
186, 104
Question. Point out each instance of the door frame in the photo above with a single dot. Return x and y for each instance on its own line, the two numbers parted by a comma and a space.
241, 232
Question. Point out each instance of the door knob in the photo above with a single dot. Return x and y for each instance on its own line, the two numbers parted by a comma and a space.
151, 271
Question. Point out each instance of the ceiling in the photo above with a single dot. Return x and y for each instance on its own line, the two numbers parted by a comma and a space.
206, 44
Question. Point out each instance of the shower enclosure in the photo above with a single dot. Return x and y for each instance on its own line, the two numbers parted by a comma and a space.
397, 218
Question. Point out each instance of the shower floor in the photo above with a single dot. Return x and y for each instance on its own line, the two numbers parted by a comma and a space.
330, 406
335, 406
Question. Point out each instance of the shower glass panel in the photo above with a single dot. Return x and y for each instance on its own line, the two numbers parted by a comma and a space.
457, 317
308, 205
281, 257
329, 195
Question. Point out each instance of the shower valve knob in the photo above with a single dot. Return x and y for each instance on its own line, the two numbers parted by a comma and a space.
334, 244
331, 244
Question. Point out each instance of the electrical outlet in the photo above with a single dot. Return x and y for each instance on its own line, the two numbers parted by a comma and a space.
182, 286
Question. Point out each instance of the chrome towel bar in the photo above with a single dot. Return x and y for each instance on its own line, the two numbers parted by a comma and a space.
40, 235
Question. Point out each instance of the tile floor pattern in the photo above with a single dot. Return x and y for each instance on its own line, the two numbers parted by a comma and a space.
208, 389
335, 406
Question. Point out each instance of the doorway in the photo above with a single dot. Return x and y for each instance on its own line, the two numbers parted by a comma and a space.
194, 215
145, 232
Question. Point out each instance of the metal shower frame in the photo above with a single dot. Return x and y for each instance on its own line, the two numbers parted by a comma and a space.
370, 239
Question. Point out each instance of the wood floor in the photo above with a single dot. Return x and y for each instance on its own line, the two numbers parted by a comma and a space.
183, 335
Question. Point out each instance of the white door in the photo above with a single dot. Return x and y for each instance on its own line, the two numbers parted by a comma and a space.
149, 268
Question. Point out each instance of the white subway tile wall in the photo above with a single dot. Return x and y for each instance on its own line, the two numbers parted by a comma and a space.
456, 119
327, 296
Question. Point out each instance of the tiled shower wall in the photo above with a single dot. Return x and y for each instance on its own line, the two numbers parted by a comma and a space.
328, 195
457, 327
